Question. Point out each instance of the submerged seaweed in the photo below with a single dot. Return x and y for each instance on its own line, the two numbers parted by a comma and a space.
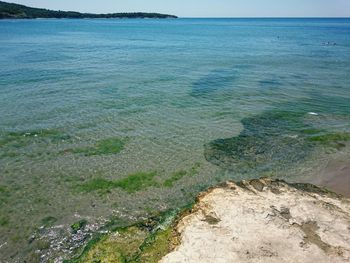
174, 177
135, 182
335, 140
12, 144
132, 183
21, 139
48, 221
4, 195
106, 146
270, 141
180, 174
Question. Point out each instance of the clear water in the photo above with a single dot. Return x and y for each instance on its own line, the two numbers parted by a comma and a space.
166, 87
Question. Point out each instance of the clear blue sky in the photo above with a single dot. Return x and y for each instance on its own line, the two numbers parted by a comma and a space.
204, 8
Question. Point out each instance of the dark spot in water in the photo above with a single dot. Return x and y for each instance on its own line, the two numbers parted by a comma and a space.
270, 83
217, 80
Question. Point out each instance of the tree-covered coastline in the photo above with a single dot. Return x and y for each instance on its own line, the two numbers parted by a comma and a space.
15, 11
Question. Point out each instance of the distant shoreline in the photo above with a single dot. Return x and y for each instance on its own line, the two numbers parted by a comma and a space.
84, 18
15, 11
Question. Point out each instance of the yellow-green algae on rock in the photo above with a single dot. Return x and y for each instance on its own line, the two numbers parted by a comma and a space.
146, 241
117, 247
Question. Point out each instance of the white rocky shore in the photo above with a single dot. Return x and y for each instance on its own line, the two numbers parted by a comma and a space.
264, 221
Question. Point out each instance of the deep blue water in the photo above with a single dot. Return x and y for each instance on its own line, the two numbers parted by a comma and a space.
168, 88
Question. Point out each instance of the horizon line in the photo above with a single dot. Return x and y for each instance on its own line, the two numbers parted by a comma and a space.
214, 17
343, 17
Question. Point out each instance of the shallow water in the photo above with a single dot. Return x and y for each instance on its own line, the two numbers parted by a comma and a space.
167, 91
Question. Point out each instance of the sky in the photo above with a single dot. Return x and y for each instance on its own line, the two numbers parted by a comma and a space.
204, 8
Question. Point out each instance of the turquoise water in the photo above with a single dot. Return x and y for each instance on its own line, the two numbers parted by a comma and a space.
187, 103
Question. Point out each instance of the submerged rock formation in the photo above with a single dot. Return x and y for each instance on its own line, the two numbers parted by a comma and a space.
274, 141
265, 221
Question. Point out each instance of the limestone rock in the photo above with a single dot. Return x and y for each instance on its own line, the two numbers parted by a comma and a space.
265, 221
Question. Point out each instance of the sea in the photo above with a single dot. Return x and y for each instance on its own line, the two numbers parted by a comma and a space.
113, 121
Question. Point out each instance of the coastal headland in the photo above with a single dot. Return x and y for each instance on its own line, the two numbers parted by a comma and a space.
259, 220
15, 11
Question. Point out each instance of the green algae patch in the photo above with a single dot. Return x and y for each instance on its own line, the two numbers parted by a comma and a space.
3, 190
335, 140
194, 169
312, 131
333, 137
22, 139
132, 183
98, 184
14, 144
102, 147
156, 246
174, 177
48, 221
8, 154
137, 182
4, 194
180, 174
4, 221
78, 225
